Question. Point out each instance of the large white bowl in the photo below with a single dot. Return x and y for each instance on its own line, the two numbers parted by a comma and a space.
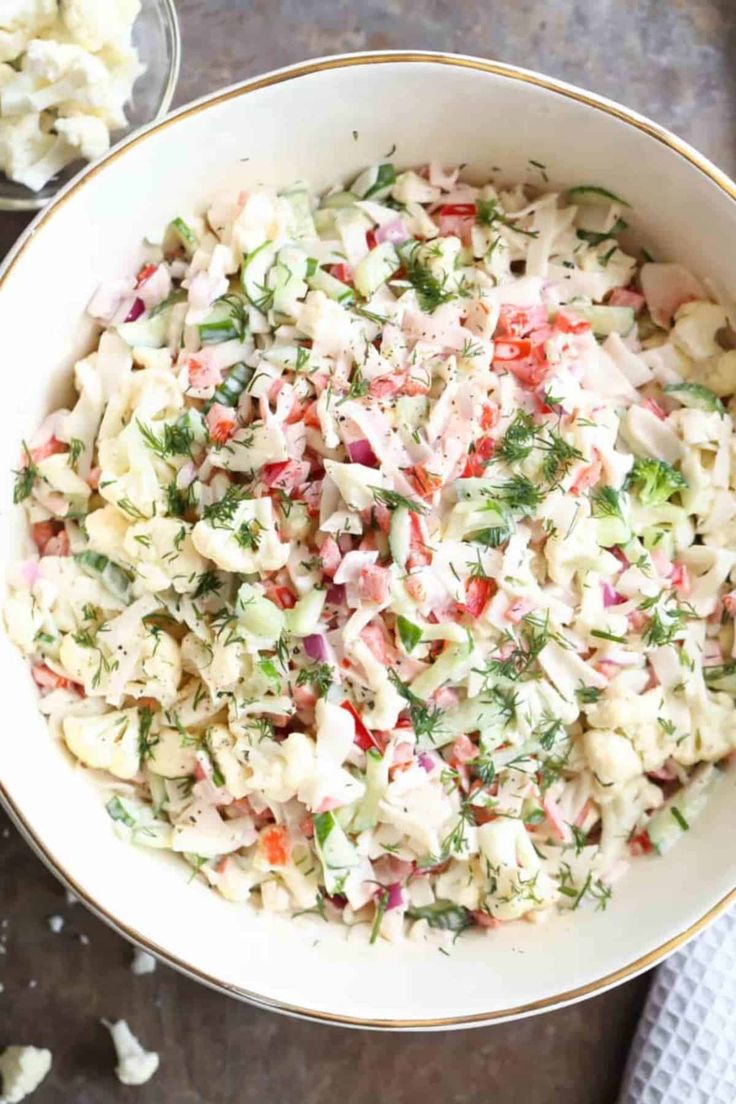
320, 121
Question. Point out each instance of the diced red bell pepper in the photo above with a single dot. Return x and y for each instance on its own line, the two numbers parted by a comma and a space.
641, 844
145, 273
363, 738
281, 595
456, 219
341, 272
49, 448
567, 321
478, 593
475, 467
46, 679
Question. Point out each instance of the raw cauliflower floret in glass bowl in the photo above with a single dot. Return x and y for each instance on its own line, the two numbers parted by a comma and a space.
74, 76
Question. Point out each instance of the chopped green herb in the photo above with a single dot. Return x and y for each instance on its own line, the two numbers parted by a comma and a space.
24, 478
395, 501
319, 676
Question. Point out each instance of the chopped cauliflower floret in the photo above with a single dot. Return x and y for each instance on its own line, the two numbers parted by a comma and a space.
87, 136
93, 25
135, 1065
22, 1068
163, 555
108, 742
231, 550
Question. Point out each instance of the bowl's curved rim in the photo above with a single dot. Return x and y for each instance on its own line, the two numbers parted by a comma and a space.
511, 72
33, 202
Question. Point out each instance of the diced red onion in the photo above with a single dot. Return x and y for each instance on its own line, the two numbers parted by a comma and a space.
395, 898
315, 646
426, 761
394, 232
335, 594
107, 299
136, 310
360, 452
620, 555
611, 596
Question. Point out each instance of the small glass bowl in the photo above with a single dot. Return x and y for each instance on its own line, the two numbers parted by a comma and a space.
156, 37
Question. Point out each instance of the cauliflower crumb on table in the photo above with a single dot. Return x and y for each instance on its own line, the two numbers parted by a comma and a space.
22, 1069
67, 69
135, 1064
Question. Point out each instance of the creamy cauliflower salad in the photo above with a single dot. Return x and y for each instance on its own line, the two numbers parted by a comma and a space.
383, 567
67, 70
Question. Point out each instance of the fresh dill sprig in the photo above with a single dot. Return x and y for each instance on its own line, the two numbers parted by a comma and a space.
24, 478
207, 583
395, 501
431, 291
425, 717
176, 439
488, 213
319, 676
221, 513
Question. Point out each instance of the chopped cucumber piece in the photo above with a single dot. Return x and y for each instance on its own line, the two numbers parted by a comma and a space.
612, 531
606, 320
353, 226
301, 223
320, 280
443, 915
376, 268
287, 279
258, 615
677, 815
110, 574
376, 784
340, 199
696, 396
375, 181
179, 235
722, 677
178, 295
594, 196
337, 854
253, 275
232, 387
399, 536
595, 237
303, 619
145, 333
222, 324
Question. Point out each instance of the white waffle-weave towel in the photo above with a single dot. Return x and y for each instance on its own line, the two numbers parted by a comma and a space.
684, 1050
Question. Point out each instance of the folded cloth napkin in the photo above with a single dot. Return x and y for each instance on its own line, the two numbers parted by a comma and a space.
684, 1049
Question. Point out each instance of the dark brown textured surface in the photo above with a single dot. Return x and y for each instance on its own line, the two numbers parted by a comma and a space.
671, 60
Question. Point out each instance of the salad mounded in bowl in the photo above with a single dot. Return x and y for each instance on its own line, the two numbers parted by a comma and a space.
383, 565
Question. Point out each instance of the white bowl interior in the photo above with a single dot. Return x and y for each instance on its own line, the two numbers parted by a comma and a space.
274, 133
